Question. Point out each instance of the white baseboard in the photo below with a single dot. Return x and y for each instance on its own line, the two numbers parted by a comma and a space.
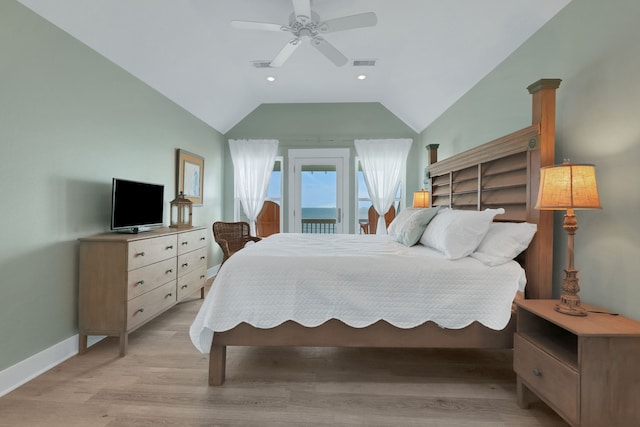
26, 370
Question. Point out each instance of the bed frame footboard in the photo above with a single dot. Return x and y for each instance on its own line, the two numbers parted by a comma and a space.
335, 333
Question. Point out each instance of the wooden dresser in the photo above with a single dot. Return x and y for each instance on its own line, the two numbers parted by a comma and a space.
125, 280
585, 368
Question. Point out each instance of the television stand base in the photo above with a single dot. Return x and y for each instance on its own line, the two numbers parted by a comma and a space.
134, 230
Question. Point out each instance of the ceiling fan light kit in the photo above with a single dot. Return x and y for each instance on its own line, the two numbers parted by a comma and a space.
306, 24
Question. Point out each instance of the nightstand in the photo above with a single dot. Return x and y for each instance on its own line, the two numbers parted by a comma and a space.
585, 368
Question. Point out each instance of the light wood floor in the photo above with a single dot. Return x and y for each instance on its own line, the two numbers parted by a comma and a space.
163, 381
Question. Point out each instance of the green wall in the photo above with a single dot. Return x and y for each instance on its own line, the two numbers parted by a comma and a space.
594, 47
325, 125
70, 121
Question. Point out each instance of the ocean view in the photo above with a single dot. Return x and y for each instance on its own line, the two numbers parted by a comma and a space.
318, 213
327, 213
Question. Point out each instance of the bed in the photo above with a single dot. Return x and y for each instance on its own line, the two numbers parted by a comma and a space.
501, 174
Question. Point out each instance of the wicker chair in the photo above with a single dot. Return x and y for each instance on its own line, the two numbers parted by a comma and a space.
232, 236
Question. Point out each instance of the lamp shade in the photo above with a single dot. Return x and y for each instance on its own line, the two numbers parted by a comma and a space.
568, 186
421, 199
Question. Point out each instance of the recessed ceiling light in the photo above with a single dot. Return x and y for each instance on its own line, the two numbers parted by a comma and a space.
362, 76
271, 79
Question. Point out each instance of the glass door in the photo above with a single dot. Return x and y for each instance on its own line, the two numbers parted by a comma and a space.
319, 190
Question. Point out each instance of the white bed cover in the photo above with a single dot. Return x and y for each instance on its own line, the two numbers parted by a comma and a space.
358, 279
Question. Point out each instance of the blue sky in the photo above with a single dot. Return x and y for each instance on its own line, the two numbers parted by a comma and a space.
318, 189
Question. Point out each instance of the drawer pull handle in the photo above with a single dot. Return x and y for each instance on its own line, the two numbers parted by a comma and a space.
186, 264
168, 295
202, 257
140, 310
185, 243
140, 282
202, 276
170, 270
537, 372
184, 287
169, 247
203, 238
141, 254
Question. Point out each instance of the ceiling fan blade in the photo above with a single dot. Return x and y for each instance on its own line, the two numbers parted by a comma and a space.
285, 53
302, 8
263, 26
361, 20
329, 51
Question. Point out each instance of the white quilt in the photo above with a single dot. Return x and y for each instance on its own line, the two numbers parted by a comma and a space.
358, 279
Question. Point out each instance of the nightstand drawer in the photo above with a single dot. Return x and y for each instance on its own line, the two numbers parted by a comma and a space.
554, 381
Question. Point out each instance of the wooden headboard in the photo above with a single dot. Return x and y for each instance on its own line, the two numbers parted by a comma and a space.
505, 173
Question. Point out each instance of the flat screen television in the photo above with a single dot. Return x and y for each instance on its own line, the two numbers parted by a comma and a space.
136, 206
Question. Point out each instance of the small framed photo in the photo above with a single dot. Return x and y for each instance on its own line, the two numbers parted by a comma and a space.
190, 176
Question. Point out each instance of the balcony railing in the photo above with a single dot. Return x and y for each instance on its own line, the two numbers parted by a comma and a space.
319, 226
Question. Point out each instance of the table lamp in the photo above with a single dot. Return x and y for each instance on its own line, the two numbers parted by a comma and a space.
421, 199
569, 187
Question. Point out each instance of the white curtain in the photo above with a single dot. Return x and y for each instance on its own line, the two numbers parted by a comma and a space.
253, 161
383, 161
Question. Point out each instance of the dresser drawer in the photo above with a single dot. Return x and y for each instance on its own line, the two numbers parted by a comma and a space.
145, 279
192, 240
554, 381
149, 251
191, 282
146, 306
192, 261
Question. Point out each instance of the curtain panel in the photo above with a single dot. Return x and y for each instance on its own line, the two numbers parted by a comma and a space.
383, 161
253, 161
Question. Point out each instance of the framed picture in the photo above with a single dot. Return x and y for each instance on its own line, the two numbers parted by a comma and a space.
190, 176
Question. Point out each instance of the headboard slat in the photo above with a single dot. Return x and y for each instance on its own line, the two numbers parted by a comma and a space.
512, 143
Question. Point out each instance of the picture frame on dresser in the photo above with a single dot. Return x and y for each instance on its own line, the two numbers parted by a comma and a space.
190, 176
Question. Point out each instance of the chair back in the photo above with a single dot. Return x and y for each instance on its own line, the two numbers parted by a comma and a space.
268, 221
372, 225
232, 236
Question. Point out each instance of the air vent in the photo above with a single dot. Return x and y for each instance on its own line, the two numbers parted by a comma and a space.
364, 62
261, 64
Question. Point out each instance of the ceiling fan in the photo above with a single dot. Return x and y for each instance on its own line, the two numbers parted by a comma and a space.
306, 24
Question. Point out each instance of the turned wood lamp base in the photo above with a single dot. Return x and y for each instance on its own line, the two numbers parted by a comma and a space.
564, 308
569, 300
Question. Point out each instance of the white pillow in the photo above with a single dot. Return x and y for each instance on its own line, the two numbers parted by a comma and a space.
410, 230
457, 233
504, 242
399, 220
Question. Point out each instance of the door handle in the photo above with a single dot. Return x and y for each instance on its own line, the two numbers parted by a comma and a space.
339, 218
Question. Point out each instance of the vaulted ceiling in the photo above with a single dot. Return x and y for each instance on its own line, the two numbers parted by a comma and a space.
427, 53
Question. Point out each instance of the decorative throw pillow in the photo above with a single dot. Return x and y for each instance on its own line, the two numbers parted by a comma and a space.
400, 219
410, 230
457, 233
504, 241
